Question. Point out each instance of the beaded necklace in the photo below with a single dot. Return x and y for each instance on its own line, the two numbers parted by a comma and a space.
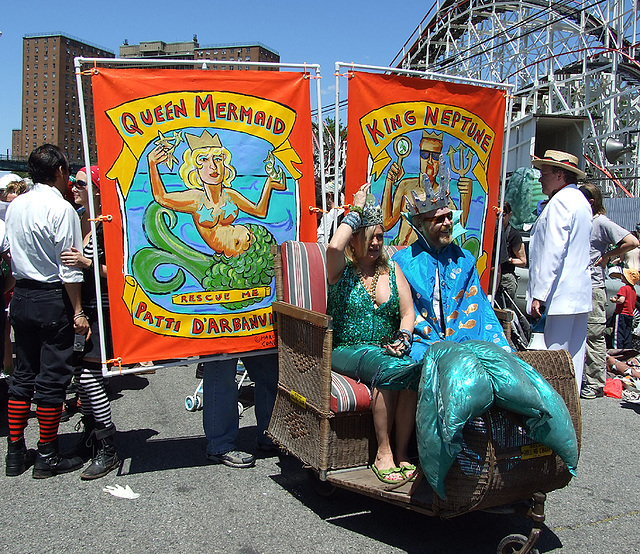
371, 289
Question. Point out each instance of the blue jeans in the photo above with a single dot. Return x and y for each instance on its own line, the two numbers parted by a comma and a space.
220, 400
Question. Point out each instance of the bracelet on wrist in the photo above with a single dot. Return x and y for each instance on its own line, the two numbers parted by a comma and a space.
357, 209
79, 315
407, 334
353, 220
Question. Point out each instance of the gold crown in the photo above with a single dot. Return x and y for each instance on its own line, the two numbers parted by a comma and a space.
205, 140
432, 135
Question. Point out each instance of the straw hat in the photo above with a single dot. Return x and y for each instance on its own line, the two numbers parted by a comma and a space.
557, 158
631, 275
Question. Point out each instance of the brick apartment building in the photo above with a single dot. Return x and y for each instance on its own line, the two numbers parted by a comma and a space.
234, 53
50, 110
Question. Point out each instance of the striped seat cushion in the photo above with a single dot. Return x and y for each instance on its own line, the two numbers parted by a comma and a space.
348, 395
304, 270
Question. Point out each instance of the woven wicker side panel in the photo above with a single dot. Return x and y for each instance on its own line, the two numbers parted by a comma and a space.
556, 366
503, 477
352, 440
514, 478
305, 360
303, 432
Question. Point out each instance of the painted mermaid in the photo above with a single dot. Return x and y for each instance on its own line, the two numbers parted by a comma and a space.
214, 205
240, 257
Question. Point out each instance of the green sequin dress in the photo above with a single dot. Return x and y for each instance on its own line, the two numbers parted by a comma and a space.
358, 329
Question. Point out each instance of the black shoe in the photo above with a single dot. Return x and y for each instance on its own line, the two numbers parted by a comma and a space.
233, 458
50, 462
19, 459
85, 445
106, 457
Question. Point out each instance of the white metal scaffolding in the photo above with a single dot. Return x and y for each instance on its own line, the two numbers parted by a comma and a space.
572, 58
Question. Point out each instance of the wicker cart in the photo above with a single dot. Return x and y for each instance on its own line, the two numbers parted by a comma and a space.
499, 464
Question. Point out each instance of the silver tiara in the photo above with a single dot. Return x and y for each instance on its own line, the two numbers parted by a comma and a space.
432, 199
371, 213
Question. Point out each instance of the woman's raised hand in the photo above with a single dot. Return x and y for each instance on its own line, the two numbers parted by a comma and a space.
360, 197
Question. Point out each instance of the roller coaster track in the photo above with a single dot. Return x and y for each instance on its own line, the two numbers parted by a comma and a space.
575, 58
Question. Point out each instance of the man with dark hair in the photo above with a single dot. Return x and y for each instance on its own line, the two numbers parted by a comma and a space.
559, 275
45, 312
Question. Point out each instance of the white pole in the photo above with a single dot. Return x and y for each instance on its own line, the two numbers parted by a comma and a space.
503, 188
92, 215
323, 185
337, 183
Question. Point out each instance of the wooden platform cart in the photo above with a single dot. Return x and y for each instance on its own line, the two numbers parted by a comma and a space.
324, 419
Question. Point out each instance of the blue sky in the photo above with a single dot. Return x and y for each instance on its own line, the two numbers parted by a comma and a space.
364, 32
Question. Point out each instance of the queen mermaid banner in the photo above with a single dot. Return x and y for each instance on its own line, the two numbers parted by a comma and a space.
202, 172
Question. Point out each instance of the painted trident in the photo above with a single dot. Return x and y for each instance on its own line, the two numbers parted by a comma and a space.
463, 168
465, 184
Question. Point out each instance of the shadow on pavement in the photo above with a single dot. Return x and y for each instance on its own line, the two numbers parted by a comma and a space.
472, 533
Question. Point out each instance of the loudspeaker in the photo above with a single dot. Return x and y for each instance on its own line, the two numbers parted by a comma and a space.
613, 149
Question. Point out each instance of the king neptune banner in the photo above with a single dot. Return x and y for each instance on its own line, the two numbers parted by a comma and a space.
407, 133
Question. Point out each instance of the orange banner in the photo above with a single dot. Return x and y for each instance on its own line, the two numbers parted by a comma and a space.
202, 172
400, 129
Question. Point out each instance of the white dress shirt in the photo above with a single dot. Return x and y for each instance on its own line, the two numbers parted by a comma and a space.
4, 240
559, 274
41, 224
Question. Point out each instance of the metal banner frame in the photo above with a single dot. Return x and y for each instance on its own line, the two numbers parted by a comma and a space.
204, 64
437, 77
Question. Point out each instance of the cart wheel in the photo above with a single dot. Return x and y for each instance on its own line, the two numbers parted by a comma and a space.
322, 488
512, 544
198, 403
240, 409
190, 403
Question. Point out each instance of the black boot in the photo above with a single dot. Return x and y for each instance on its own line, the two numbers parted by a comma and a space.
85, 445
19, 459
50, 462
106, 457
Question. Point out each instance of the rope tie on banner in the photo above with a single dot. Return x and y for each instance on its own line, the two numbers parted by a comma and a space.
108, 218
314, 210
307, 75
116, 361
92, 71
498, 210
349, 74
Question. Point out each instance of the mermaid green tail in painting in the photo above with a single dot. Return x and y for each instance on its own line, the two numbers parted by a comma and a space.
250, 269
254, 268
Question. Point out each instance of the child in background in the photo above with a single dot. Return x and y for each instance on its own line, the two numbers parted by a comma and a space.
625, 302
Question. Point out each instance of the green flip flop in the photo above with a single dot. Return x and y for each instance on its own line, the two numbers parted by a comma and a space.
385, 474
408, 471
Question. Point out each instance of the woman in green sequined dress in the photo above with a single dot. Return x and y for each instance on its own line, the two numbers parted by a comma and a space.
373, 316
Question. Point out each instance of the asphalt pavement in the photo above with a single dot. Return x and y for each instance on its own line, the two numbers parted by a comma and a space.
186, 505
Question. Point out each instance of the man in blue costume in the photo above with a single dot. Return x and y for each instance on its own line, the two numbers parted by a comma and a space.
467, 362
448, 299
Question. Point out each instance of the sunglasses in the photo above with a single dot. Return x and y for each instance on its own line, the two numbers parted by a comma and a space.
440, 219
427, 155
80, 185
